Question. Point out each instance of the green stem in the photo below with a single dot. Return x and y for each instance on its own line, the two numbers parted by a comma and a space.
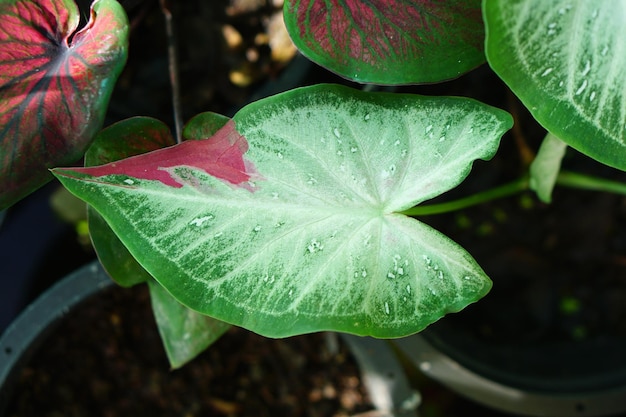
472, 200
586, 182
565, 178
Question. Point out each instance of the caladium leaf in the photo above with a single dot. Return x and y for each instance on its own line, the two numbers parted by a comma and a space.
566, 60
296, 228
121, 140
55, 84
185, 333
203, 126
389, 41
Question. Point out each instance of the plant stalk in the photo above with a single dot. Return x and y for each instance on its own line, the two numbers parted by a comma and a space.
565, 179
586, 182
173, 68
472, 200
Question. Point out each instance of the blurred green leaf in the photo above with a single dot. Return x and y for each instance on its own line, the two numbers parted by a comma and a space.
389, 41
184, 332
566, 61
545, 168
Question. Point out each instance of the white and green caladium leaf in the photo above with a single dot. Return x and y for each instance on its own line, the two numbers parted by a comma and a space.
288, 221
566, 61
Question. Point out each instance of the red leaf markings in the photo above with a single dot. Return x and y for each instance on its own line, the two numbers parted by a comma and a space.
221, 156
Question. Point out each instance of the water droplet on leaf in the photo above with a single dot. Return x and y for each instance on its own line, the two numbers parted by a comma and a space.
315, 246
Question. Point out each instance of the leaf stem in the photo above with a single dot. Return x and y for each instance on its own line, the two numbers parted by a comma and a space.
587, 182
505, 190
173, 68
565, 179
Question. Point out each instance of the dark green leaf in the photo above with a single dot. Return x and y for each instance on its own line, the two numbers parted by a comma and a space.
203, 126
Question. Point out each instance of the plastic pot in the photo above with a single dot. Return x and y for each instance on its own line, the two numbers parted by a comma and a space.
553, 381
382, 375
29, 330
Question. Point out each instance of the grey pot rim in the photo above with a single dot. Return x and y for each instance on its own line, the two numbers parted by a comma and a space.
475, 386
29, 330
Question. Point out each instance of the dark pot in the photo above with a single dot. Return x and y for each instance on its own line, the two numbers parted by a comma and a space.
522, 381
29, 330
549, 340
382, 376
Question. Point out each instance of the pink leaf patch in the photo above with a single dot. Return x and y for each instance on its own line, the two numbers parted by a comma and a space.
221, 156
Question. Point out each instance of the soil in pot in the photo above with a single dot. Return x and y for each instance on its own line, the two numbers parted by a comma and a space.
106, 359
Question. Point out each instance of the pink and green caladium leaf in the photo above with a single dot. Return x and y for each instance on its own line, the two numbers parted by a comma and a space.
389, 41
293, 225
184, 332
55, 84
121, 140
566, 61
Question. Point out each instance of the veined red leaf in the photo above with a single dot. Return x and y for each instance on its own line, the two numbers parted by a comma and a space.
55, 85
389, 41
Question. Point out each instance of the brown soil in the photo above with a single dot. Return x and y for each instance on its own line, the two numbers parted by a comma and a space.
106, 359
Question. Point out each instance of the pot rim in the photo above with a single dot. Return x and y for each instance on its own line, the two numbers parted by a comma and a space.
521, 401
24, 335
